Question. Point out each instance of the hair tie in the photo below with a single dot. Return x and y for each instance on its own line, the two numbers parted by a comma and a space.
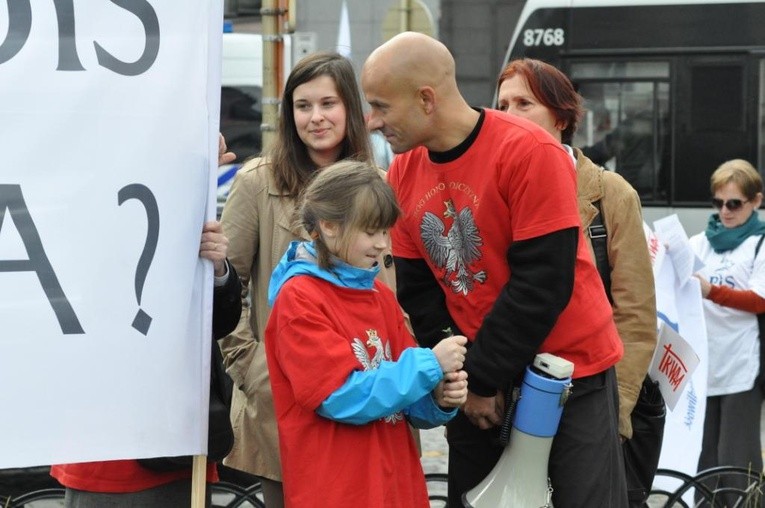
314, 235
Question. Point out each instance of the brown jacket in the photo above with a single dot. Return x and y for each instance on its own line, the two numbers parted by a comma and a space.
632, 284
258, 221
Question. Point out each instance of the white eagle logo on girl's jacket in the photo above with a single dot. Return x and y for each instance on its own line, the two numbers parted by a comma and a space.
382, 352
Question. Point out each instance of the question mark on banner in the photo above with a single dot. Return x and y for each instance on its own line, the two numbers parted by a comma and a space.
142, 320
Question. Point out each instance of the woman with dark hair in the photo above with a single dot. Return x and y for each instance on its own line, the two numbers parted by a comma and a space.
321, 122
541, 93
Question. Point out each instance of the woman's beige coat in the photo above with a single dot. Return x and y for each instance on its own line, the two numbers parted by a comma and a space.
632, 284
258, 221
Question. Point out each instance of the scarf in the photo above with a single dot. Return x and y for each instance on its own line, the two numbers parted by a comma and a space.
300, 259
724, 239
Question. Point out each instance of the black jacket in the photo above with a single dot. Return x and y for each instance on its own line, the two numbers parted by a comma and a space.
227, 305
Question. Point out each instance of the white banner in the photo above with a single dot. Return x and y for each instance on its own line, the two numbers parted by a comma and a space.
109, 121
679, 305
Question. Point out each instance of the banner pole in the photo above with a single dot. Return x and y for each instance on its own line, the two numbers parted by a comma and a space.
198, 481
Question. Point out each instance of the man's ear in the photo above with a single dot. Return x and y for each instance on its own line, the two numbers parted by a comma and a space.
427, 98
329, 229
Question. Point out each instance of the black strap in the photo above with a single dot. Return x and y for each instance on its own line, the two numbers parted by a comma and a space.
599, 239
759, 244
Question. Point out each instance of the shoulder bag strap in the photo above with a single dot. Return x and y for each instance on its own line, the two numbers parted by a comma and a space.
599, 238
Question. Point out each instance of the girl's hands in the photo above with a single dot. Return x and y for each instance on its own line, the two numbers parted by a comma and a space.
452, 390
450, 353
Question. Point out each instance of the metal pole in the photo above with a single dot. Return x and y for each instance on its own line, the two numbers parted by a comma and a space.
270, 14
405, 10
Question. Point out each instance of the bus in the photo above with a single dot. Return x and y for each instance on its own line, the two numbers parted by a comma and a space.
672, 89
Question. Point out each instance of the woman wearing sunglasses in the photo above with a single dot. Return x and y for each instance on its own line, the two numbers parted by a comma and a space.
733, 285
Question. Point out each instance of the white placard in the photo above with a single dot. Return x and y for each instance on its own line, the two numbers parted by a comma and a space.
109, 114
673, 364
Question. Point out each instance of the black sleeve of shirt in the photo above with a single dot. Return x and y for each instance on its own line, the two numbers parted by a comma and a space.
227, 304
423, 299
540, 286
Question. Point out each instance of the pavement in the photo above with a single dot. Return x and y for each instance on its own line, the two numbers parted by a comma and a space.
435, 451
434, 459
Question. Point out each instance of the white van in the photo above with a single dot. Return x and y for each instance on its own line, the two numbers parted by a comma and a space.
241, 107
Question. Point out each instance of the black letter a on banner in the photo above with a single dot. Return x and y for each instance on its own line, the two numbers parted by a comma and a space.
12, 199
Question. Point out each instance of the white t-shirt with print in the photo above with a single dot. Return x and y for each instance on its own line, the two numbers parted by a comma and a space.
732, 334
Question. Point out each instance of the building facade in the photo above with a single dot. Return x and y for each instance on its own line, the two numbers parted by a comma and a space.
477, 32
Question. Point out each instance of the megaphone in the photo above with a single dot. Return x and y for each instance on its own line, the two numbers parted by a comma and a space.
519, 479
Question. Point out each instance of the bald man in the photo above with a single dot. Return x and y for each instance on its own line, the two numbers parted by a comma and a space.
490, 246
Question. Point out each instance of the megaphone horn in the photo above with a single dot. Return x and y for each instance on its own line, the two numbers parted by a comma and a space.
519, 479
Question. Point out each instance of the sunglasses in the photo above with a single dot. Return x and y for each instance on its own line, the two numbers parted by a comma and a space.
731, 204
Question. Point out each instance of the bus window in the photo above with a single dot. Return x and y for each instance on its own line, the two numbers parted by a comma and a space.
714, 120
625, 126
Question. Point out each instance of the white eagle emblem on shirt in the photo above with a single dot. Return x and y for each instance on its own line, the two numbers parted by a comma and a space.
455, 250
381, 352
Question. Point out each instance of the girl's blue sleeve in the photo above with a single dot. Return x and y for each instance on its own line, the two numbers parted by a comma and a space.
426, 414
369, 395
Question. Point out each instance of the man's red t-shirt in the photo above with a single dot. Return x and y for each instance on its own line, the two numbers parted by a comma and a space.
513, 183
